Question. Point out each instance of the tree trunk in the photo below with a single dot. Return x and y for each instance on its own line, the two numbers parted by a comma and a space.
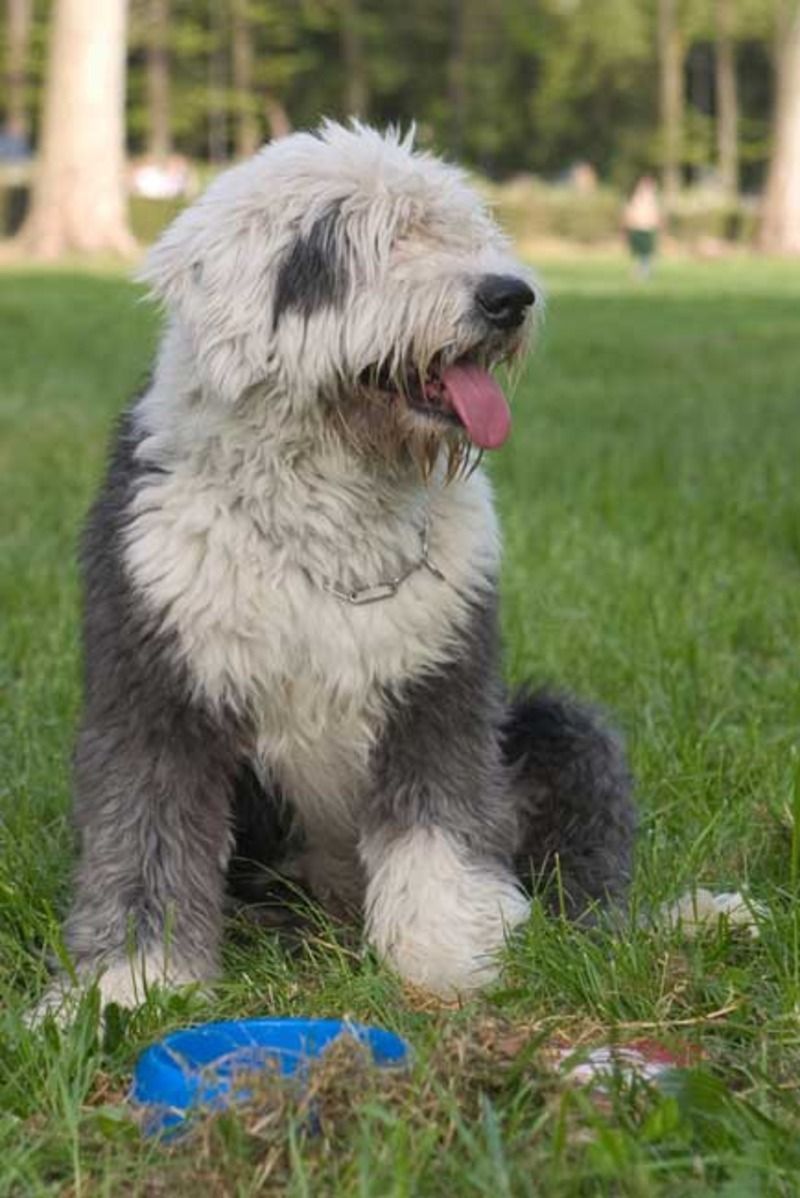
356, 90
18, 21
670, 55
457, 76
216, 107
727, 99
247, 131
159, 134
780, 219
79, 201
277, 117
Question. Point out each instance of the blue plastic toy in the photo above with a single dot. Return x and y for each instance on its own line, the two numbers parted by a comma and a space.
198, 1068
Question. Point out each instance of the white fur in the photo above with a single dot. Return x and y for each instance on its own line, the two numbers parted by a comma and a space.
437, 918
238, 574
124, 982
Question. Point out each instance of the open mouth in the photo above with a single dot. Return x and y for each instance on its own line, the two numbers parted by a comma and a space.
463, 393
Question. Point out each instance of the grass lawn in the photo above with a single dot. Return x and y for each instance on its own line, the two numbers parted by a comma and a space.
650, 501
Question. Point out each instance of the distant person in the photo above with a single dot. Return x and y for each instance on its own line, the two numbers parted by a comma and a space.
14, 147
155, 179
642, 221
583, 178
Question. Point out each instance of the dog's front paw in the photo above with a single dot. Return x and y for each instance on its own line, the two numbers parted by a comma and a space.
439, 918
59, 1002
125, 982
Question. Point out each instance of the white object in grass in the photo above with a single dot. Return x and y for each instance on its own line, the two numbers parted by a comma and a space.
701, 910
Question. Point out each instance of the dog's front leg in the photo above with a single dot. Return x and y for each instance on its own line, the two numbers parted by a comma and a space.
438, 909
439, 828
152, 810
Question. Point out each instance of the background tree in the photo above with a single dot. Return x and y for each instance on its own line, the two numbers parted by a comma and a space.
595, 98
457, 73
217, 98
727, 97
356, 91
508, 86
18, 24
671, 52
780, 225
79, 192
159, 130
247, 134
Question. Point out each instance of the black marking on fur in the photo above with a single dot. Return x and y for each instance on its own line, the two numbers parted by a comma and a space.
314, 274
265, 835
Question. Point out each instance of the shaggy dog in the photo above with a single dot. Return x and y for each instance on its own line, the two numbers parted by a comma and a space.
290, 627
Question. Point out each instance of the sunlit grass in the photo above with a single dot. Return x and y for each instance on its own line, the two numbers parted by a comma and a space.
652, 525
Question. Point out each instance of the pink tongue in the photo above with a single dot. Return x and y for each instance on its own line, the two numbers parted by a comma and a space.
479, 404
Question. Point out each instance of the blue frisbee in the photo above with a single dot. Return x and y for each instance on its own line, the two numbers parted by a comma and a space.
201, 1068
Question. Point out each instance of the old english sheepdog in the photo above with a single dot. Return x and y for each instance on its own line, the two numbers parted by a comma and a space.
291, 644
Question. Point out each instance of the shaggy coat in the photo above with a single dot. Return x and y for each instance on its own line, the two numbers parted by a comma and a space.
248, 713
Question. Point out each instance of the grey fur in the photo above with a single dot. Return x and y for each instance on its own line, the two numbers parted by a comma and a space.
573, 790
154, 771
439, 761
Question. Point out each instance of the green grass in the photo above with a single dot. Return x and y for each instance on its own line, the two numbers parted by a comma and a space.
650, 502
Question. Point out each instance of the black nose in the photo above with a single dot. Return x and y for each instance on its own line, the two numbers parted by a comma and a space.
504, 299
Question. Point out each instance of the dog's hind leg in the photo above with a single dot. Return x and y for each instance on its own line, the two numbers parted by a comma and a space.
573, 793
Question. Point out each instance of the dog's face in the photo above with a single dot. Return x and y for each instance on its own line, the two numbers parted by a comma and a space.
355, 278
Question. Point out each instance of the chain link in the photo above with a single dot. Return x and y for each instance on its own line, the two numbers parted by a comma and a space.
378, 591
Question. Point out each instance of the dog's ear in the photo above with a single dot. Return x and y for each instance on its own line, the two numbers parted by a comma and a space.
209, 271
174, 263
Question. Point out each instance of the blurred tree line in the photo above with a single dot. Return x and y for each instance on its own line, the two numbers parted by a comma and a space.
702, 90
505, 85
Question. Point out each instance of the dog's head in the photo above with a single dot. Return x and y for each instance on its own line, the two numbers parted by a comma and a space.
356, 278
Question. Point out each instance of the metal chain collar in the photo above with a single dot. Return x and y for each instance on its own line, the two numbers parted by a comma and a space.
378, 591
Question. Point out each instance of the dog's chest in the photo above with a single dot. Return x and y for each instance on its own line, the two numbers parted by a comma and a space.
257, 628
